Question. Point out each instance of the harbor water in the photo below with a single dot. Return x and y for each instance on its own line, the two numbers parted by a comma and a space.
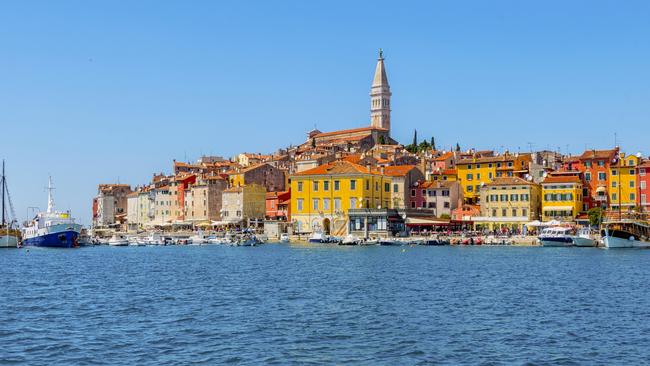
319, 304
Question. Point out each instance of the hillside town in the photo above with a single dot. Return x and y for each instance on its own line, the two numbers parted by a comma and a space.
360, 181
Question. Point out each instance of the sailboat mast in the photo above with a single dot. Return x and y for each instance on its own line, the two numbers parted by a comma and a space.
3, 192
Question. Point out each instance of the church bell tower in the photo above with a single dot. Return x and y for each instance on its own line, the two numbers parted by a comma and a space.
380, 97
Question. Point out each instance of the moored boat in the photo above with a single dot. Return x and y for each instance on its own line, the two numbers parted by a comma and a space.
557, 236
9, 236
118, 240
52, 228
583, 238
626, 234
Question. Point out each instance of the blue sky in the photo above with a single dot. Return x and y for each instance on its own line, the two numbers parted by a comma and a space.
93, 92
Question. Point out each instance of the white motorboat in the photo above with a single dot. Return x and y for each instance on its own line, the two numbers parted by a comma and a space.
132, 239
198, 239
154, 238
583, 238
626, 234
318, 237
350, 240
284, 238
556, 236
118, 240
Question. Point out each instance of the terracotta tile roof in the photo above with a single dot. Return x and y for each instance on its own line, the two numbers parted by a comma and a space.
398, 170
353, 130
510, 181
356, 158
561, 179
444, 156
437, 184
492, 159
598, 154
446, 172
645, 164
337, 167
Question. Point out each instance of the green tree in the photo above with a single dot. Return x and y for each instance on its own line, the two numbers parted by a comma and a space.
313, 142
382, 140
415, 138
595, 216
424, 146
457, 147
433, 143
445, 216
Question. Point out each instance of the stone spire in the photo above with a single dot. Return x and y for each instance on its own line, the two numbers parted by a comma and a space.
380, 96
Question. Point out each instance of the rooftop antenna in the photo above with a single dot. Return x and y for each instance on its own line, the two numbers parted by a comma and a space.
530, 146
615, 139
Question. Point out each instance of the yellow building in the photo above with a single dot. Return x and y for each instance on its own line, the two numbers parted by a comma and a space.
478, 171
623, 183
321, 197
444, 175
561, 198
508, 203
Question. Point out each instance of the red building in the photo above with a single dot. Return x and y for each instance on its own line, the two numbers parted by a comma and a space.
594, 166
643, 179
278, 205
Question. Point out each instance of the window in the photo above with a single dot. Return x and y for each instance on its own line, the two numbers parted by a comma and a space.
494, 212
469, 176
314, 204
446, 204
412, 204
631, 172
614, 173
376, 186
588, 163
490, 175
504, 198
469, 166
614, 197
432, 205
326, 185
326, 204
642, 184
299, 203
367, 185
602, 176
238, 213
614, 184
337, 203
642, 172
632, 197
524, 212
478, 166
315, 186
601, 163
299, 186
478, 176
643, 198
470, 188
504, 212
514, 212
630, 162
337, 185
386, 187
353, 203
631, 184
395, 188
412, 192
588, 177
353, 184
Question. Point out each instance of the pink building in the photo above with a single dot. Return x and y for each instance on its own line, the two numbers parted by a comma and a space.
643, 179
440, 196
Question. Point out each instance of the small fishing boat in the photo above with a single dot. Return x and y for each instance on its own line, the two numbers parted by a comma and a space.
583, 238
284, 238
350, 240
118, 240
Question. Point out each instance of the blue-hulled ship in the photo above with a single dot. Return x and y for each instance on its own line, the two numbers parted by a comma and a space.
52, 228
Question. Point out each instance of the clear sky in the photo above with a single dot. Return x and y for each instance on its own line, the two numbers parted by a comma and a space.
95, 92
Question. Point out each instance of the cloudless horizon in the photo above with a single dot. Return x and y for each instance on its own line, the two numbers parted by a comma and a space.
101, 92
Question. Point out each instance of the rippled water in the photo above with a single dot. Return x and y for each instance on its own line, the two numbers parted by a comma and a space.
280, 304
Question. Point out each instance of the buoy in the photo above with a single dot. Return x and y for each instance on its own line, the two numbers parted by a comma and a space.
403, 250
